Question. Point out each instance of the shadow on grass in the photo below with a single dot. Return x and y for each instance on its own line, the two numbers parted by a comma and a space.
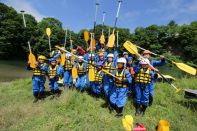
189, 103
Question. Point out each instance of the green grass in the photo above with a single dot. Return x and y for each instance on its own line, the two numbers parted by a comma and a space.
76, 111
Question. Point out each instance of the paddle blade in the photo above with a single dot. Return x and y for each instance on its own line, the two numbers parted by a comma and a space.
63, 59
102, 39
111, 40
32, 60
91, 75
130, 47
186, 68
48, 32
86, 36
128, 122
74, 73
92, 44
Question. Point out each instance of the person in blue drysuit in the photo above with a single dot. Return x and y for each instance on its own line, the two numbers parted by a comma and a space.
54, 72
118, 94
97, 84
80, 83
144, 76
109, 66
91, 61
68, 71
39, 78
154, 63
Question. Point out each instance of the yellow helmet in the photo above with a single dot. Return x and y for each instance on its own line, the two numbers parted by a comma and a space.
42, 57
101, 54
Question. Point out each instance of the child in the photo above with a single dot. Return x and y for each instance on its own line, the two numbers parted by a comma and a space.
96, 87
38, 79
54, 72
143, 78
80, 83
108, 80
118, 95
68, 71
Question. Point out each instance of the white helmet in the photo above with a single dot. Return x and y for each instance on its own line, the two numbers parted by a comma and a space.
91, 55
67, 56
122, 60
125, 53
110, 55
145, 61
80, 57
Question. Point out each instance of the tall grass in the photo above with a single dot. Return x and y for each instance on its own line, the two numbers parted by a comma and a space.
77, 111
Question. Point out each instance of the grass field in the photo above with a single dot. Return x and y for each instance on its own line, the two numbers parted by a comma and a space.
76, 111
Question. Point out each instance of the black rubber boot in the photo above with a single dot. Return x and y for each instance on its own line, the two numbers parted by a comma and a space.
137, 113
41, 96
111, 107
119, 112
57, 93
52, 91
35, 94
150, 100
142, 113
106, 104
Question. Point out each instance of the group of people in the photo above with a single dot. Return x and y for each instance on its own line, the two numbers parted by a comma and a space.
115, 76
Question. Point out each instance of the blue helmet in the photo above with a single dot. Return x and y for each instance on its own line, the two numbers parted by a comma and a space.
130, 58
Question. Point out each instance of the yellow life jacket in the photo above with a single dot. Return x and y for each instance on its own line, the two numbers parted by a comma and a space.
38, 72
108, 66
143, 77
89, 66
53, 71
98, 76
68, 65
121, 76
80, 69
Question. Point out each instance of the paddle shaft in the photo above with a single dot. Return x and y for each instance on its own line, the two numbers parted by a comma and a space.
66, 33
49, 43
97, 4
24, 22
117, 38
117, 14
103, 21
152, 53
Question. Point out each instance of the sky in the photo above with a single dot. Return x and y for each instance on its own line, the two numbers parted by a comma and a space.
79, 14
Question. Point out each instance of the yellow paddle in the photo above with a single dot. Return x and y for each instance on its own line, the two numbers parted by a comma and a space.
86, 37
102, 38
133, 50
63, 59
31, 57
112, 38
48, 32
74, 73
